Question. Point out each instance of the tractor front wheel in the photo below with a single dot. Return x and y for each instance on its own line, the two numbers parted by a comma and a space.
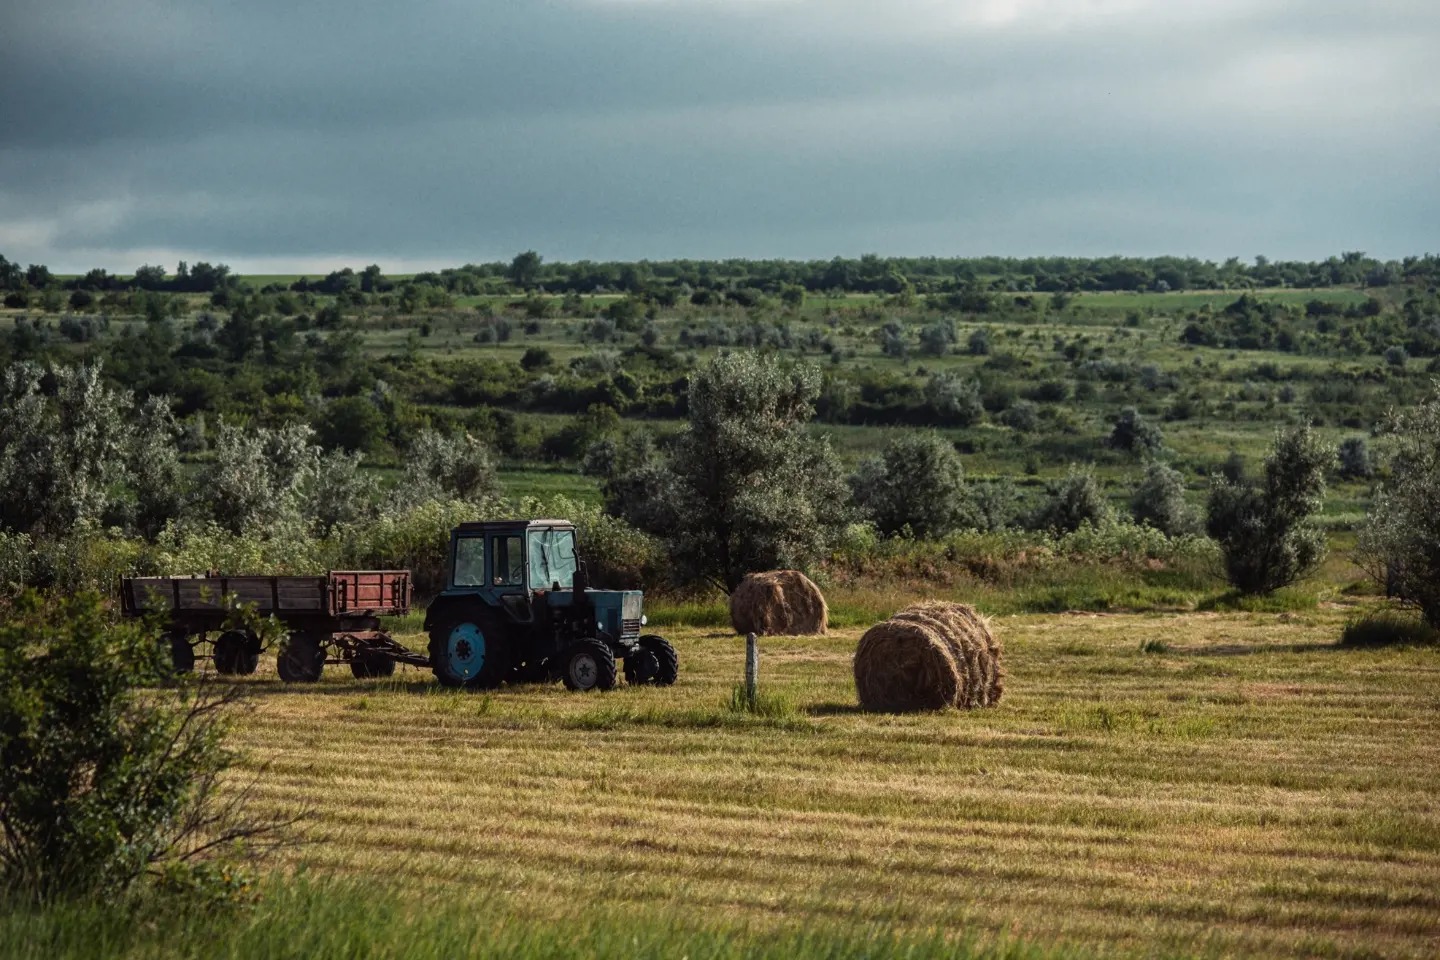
665, 656
589, 665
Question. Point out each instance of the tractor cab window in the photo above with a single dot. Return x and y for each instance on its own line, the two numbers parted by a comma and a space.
552, 559
509, 565
470, 562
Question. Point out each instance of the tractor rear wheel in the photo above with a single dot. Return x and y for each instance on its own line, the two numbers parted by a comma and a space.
302, 660
589, 665
665, 655
366, 664
237, 652
468, 650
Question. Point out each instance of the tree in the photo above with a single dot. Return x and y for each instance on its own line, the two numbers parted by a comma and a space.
525, 269
62, 450
1265, 527
451, 465
1159, 501
257, 475
750, 488
156, 474
352, 424
1400, 543
1071, 502
916, 483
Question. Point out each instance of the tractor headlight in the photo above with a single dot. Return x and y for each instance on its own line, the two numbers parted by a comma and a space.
644, 619
599, 625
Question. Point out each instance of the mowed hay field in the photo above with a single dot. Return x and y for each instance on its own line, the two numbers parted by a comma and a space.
1222, 784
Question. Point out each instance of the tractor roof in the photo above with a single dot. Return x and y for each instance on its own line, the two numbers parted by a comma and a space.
479, 526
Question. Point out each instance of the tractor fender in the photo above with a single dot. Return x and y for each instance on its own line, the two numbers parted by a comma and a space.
445, 607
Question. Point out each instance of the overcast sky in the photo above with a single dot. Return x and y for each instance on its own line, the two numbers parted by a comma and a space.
307, 134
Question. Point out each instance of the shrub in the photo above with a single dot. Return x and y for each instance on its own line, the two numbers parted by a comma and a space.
1264, 528
1400, 543
102, 781
954, 399
1022, 416
916, 483
1133, 433
1355, 461
1159, 501
937, 338
1072, 502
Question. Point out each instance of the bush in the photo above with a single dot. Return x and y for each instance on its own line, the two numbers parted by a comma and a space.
1265, 528
1400, 543
1355, 461
917, 483
102, 781
1133, 433
954, 399
1159, 501
1072, 502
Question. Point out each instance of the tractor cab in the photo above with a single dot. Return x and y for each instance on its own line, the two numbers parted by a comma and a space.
517, 607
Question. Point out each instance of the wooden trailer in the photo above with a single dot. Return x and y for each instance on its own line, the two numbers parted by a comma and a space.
335, 618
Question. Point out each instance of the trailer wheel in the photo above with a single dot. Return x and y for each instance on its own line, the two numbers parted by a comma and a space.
589, 665
371, 663
302, 660
665, 655
236, 653
182, 656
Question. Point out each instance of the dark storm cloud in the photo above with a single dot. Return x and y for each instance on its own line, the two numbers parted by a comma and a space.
449, 131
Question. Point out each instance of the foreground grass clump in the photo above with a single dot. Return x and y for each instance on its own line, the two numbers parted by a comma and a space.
308, 920
1386, 628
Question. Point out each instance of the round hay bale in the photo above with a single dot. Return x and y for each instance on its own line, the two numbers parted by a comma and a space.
981, 650
929, 656
779, 603
904, 665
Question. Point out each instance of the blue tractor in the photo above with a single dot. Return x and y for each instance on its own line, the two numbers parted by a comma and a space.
517, 608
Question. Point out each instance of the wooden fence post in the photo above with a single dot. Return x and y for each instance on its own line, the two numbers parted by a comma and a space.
752, 668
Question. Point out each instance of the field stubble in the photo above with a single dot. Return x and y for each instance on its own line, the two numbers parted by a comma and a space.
1216, 783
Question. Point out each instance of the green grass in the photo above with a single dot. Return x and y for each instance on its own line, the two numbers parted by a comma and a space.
1385, 627
356, 920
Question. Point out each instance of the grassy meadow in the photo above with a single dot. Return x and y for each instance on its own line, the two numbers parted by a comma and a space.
1212, 784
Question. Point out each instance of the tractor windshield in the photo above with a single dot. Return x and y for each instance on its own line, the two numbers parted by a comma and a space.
552, 559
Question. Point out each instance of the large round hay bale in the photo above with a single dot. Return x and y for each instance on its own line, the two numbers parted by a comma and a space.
970, 633
779, 603
929, 656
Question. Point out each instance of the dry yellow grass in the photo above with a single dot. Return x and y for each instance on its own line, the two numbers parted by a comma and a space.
1243, 788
